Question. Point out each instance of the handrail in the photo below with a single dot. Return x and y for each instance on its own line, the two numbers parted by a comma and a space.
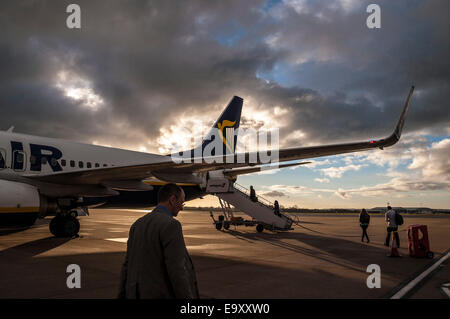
261, 199
264, 202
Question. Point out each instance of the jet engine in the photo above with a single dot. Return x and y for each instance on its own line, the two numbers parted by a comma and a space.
21, 204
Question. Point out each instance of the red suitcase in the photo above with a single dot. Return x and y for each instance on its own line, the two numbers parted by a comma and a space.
418, 243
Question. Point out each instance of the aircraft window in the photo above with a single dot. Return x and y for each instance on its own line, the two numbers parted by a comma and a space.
53, 162
32, 159
97, 165
89, 165
19, 157
44, 160
104, 165
18, 160
72, 163
2, 159
80, 164
63, 162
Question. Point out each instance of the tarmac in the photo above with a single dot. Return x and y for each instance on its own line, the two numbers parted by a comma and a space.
322, 257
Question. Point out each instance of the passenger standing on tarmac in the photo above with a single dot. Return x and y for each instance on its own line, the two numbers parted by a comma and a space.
391, 226
157, 264
364, 220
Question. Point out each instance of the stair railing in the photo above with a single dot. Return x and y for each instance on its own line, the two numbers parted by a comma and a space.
246, 191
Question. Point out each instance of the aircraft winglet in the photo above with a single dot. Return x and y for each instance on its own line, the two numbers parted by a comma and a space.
401, 121
395, 136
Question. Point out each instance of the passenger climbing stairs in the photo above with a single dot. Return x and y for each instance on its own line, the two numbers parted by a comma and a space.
259, 208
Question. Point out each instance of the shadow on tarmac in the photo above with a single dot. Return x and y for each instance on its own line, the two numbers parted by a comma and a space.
331, 250
35, 247
340, 270
45, 277
12, 230
7, 230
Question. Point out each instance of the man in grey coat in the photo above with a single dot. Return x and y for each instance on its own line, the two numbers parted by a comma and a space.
157, 264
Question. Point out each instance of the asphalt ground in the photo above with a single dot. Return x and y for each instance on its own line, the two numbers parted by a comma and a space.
323, 257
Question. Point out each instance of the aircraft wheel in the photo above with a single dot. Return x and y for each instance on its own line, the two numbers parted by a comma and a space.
71, 226
259, 228
67, 226
219, 226
226, 226
430, 255
54, 226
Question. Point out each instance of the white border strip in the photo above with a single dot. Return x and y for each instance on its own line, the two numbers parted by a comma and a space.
419, 278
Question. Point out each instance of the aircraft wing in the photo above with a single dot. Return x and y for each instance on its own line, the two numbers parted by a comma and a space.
234, 172
171, 171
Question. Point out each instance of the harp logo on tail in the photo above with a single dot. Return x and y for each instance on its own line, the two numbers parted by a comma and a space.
228, 139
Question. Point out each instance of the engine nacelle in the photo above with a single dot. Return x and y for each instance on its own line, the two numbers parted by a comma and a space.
20, 204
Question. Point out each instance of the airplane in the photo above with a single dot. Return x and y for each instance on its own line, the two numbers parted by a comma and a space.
42, 176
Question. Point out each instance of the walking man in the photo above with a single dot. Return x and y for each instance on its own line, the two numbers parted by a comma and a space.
157, 264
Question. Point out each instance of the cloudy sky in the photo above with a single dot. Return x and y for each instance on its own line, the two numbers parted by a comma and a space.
142, 75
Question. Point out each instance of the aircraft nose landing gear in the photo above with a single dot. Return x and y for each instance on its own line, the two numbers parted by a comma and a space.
64, 226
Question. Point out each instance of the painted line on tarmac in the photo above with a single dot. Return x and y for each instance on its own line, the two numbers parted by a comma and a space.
402, 292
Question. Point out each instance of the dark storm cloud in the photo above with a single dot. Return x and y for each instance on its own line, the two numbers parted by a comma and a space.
150, 61
362, 76
147, 60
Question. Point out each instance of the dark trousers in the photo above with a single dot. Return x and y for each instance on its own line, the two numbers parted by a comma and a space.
364, 234
388, 237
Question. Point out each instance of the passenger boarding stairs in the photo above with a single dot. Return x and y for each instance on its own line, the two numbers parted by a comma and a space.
260, 209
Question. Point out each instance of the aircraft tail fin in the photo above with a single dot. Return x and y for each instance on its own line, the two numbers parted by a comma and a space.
223, 133
226, 127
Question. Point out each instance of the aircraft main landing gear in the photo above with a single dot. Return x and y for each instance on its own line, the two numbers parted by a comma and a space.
64, 226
